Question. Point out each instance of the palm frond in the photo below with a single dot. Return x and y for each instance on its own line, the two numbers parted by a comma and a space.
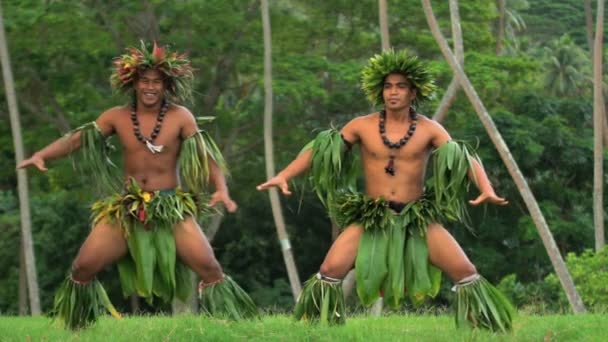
449, 183
333, 167
481, 305
226, 299
77, 306
194, 158
94, 158
321, 301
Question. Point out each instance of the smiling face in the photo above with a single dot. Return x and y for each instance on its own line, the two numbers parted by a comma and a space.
397, 93
150, 88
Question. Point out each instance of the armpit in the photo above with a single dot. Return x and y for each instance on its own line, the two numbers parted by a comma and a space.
348, 144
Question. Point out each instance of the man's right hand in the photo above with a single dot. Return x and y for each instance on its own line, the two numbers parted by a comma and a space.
277, 181
33, 160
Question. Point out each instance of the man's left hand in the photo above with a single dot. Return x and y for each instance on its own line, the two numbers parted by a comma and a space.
224, 198
490, 198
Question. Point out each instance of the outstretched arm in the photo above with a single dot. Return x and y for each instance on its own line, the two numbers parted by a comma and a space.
485, 187
304, 160
65, 145
57, 149
296, 167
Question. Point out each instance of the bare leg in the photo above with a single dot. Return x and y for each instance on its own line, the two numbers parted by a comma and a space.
195, 251
490, 310
446, 254
104, 245
342, 254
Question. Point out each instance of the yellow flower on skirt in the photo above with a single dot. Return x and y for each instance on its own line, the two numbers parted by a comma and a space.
146, 196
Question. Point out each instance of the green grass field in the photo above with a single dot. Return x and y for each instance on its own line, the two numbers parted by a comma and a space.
283, 328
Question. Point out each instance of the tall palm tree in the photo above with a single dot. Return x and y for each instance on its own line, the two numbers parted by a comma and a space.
510, 23
598, 125
275, 203
566, 66
450, 94
505, 154
24, 207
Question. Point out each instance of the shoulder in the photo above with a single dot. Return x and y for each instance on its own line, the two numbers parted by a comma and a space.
187, 121
434, 129
363, 120
108, 120
115, 111
181, 112
354, 129
429, 123
183, 116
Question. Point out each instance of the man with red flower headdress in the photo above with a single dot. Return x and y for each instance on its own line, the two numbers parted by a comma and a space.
147, 223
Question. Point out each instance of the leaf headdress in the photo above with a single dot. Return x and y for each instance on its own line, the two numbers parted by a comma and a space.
389, 62
174, 66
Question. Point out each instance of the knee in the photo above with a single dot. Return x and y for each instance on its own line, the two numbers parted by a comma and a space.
464, 271
209, 270
332, 270
82, 271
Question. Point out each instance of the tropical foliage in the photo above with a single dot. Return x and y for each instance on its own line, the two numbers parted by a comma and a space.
539, 95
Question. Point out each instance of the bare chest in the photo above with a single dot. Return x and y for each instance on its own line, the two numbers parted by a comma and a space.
167, 133
373, 147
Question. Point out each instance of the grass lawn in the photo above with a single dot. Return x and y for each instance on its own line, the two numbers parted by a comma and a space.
283, 328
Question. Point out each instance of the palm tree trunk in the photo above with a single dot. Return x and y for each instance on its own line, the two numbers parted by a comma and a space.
500, 27
598, 125
275, 203
589, 25
590, 42
505, 154
383, 17
376, 309
450, 94
24, 207
22, 282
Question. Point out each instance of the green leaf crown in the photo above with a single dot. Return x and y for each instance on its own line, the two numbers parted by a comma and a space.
389, 62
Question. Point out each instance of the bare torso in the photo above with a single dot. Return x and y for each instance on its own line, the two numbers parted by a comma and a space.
410, 160
151, 171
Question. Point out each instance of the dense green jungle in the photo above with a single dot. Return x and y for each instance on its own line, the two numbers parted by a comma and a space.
535, 81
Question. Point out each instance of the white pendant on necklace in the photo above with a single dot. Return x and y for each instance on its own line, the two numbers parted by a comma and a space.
154, 148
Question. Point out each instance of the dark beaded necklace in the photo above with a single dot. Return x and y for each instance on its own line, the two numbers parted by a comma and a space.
390, 167
155, 131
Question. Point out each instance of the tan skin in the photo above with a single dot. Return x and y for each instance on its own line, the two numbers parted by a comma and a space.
106, 243
405, 186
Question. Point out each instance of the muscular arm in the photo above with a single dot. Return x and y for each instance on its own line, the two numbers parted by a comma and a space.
60, 147
303, 161
65, 145
297, 166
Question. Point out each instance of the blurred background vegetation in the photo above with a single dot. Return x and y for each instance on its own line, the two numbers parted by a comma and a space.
538, 89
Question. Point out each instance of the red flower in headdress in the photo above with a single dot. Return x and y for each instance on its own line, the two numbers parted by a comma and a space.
174, 65
158, 53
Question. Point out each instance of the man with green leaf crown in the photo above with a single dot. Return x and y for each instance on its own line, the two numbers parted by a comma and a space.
392, 233
148, 221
